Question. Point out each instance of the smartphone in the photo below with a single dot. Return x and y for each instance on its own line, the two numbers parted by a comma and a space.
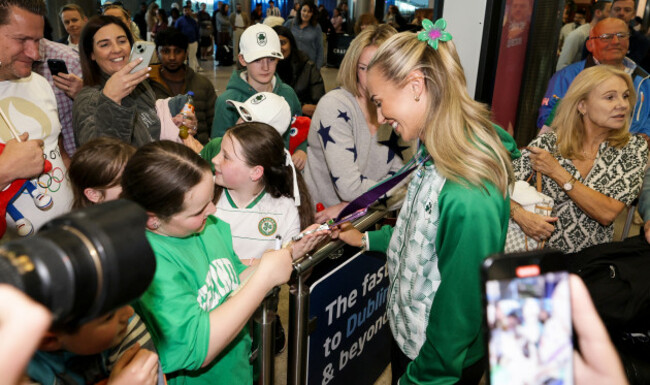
528, 318
57, 66
144, 50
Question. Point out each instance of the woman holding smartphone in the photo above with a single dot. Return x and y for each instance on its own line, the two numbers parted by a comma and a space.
114, 102
455, 212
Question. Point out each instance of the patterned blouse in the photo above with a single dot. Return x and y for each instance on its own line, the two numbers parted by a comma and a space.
617, 173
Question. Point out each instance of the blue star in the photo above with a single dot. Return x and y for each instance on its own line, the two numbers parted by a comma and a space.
383, 201
343, 115
362, 177
354, 151
393, 146
334, 179
324, 133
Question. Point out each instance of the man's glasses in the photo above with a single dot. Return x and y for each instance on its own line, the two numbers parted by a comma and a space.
610, 36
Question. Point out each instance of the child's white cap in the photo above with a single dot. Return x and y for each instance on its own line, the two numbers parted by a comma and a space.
265, 107
259, 41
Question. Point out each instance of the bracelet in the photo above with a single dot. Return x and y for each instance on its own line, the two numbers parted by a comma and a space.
513, 210
364, 241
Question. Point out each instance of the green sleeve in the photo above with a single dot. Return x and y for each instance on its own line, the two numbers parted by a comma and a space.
225, 116
378, 240
210, 151
472, 226
508, 142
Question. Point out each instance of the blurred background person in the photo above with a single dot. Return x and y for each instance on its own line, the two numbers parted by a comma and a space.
308, 33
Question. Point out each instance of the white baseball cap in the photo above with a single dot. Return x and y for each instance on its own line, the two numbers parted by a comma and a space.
259, 41
265, 107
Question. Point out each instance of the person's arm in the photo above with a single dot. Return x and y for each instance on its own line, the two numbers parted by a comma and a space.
228, 319
336, 137
472, 225
599, 206
319, 47
572, 45
95, 115
554, 91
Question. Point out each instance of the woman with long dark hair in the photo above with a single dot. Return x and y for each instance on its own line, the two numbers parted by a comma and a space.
308, 33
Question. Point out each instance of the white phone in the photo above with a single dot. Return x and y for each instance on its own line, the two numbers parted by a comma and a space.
144, 50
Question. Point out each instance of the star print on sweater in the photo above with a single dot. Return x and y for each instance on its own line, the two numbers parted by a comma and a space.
324, 133
393, 145
343, 115
354, 151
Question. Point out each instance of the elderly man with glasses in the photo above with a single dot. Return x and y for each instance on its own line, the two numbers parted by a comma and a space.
608, 44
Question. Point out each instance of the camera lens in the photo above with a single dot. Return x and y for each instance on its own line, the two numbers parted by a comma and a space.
84, 264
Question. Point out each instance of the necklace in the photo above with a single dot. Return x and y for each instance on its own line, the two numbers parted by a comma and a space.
586, 155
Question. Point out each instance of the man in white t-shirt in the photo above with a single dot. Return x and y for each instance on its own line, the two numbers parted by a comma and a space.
28, 102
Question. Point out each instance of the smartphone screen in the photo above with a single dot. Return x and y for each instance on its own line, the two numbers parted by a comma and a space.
530, 332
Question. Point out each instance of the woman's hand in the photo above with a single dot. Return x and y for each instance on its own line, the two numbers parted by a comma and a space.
122, 83
348, 234
330, 212
309, 241
538, 227
275, 267
542, 161
299, 159
70, 84
308, 109
192, 143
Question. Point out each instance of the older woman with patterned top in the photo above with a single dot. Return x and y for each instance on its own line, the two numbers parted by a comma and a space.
592, 167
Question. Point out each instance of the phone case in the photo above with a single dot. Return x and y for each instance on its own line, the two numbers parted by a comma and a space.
144, 50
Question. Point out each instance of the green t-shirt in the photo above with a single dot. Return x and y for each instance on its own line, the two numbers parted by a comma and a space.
211, 150
194, 275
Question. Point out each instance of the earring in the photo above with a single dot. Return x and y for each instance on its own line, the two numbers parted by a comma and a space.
155, 225
417, 98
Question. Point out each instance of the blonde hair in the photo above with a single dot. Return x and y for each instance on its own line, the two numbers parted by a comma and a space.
371, 35
458, 134
568, 122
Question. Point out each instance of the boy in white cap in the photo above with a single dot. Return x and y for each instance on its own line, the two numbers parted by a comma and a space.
264, 107
259, 52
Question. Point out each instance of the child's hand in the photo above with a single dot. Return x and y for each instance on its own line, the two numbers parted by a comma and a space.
309, 241
275, 267
348, 234
135, 367
330, 212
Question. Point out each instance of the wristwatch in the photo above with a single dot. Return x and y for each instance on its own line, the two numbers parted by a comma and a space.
568, 186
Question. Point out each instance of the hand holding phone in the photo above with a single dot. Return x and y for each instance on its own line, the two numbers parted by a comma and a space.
528, 315
57, 66
144, 50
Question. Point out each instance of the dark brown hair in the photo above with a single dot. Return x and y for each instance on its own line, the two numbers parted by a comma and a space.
72, 7
263, 146
92, 74
97, 164
34, 6
159, 174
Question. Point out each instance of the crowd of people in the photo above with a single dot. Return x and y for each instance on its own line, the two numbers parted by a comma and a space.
260, 156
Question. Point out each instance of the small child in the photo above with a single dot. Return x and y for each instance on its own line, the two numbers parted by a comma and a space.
197, 324
96, 171
83, 354
261, 195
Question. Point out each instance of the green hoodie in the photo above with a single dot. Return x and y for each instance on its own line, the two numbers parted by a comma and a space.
225, 115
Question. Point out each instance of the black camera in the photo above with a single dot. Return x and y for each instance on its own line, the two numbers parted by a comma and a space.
83, 264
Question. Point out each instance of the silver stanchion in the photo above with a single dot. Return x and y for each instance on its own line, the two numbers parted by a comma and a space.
263, 355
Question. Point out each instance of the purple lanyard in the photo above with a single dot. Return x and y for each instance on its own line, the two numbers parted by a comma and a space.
359, 206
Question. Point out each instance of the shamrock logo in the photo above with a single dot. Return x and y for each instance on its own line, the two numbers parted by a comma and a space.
434, 32
261, 39
258, 99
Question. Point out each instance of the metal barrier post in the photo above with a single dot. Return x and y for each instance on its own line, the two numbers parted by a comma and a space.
299, 302
264, 333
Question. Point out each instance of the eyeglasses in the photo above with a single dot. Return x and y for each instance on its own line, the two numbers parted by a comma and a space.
610, 36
